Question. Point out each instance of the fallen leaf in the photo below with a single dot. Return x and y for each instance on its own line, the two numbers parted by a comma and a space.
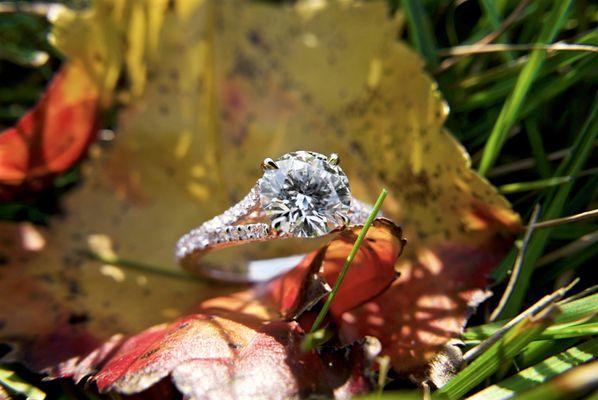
428, 305
219, 358
231, 84
238, 346
53, 135
371, 272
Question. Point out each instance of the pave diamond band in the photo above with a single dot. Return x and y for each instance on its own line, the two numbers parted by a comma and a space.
301, 194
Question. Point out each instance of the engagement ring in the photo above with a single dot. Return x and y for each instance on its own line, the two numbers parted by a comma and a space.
302, 194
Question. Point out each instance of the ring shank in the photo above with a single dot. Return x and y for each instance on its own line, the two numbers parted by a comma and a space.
237, 226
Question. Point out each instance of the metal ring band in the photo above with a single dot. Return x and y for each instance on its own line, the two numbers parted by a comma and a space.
237, 226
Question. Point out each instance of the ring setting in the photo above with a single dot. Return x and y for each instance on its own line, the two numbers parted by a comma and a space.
302, 194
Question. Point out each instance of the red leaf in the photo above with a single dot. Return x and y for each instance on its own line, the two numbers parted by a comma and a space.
429, 304
54, 134
216, 357
237, 346
372, 271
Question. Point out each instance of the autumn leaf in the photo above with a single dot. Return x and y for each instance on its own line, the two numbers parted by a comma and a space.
243, 344
228, 85
53, 135
216, 357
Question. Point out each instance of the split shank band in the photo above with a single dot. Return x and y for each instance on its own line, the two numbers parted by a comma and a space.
302, 194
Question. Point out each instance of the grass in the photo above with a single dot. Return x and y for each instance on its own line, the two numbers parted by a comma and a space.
362, 233
529, 118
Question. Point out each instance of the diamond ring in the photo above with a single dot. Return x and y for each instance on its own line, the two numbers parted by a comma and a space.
302, 194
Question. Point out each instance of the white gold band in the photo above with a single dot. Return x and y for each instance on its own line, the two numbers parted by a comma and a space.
238, 225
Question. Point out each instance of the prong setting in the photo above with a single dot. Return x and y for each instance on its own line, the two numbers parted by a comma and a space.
345, 218
334, 159
268, 164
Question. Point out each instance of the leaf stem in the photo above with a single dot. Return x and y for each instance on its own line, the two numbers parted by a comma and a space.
517, 266
138, 266
349, 260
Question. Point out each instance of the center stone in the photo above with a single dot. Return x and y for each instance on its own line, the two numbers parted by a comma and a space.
306, 196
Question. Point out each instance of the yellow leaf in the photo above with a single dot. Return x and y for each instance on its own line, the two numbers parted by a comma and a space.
228, 84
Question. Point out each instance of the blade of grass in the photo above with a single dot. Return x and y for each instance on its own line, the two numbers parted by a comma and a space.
502, 271
420, 30
540, 350
316, 339
537, 147
573, 230
348, 261
568, 264
550, 89
581, 330
580, 244
503, 328
553, 333
533, 185
571, 165
507, 73
539, 373
517, 265
575, 310
567, 385
506, 48
510, 110
496, 355
484, 35
526, 163
492, 13
567, 220
544, 91
14, 384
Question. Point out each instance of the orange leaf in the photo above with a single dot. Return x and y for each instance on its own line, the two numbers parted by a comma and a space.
371, 273
429, 304
54, 134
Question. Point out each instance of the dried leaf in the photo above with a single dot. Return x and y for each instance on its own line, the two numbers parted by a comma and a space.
216, 357
428, 304
371, 273
238, 347
53, 135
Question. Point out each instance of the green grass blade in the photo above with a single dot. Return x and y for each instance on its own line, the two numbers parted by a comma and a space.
566, 332
349, 260
570, 312
540, 350
394, 395
420, 30
14, 384
533, 185
568, 385
539, 373
535, 140
492, 13
554, 87
509, 113
514, 341
571, 165
507, 73
501, 272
